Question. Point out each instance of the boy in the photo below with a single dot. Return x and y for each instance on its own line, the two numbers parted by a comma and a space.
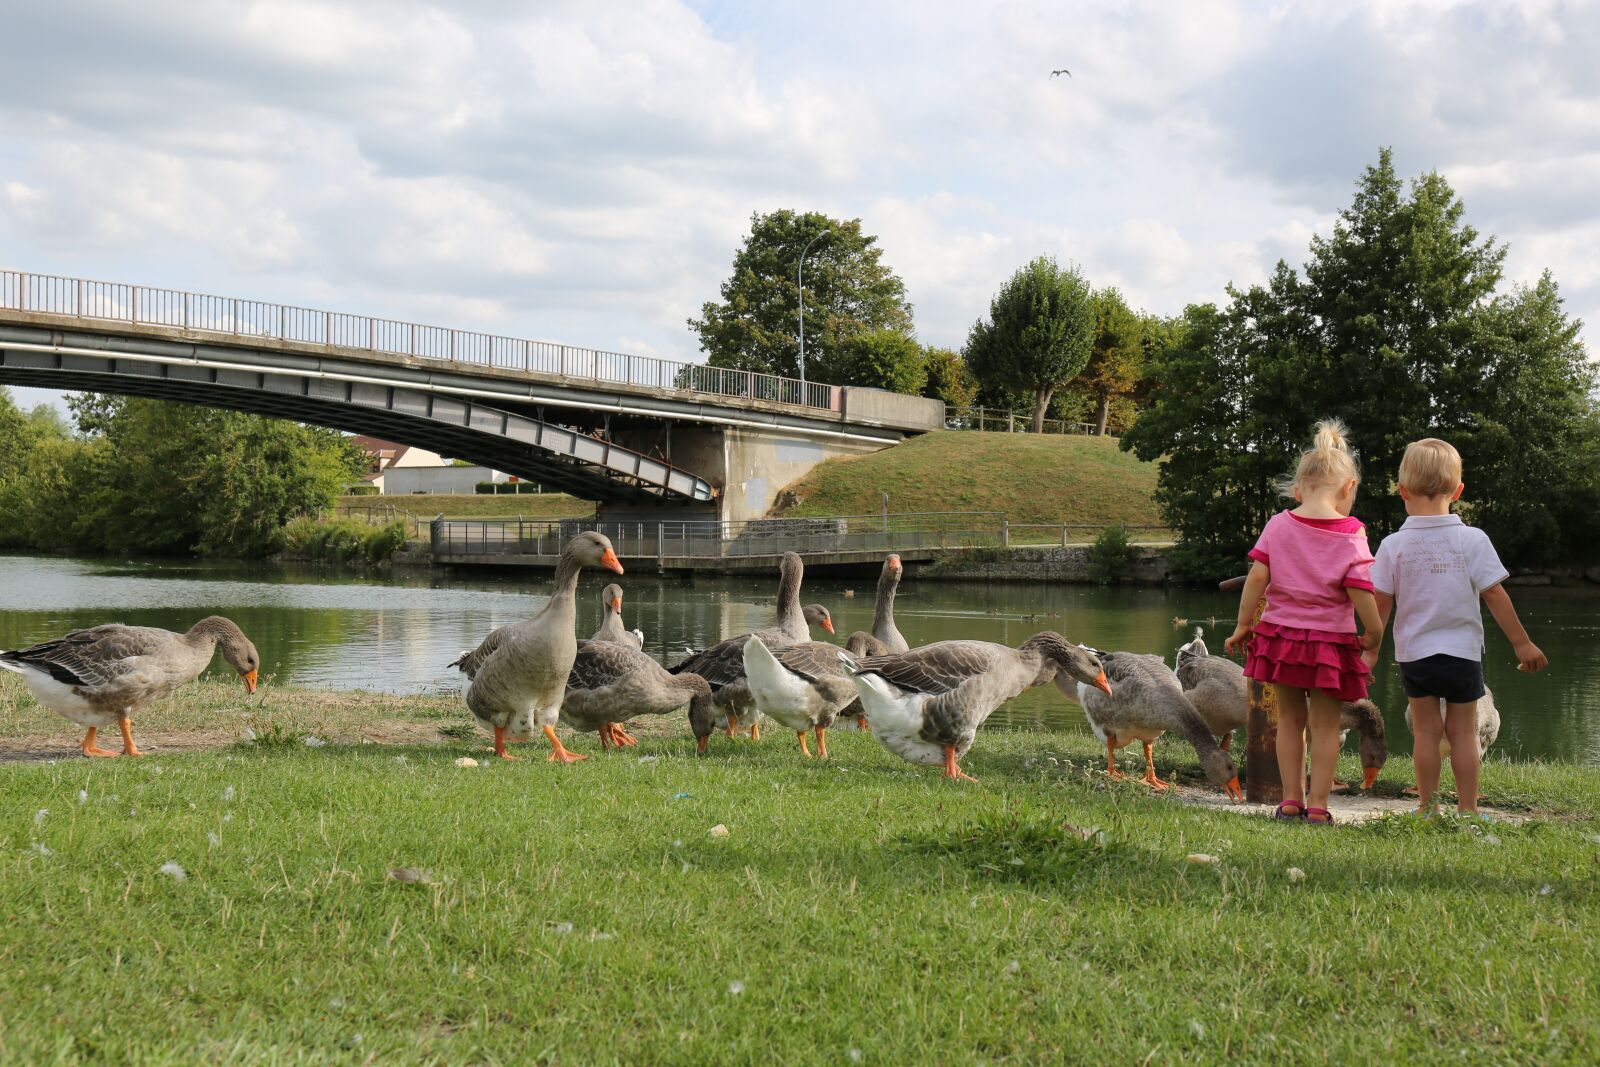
1433, 570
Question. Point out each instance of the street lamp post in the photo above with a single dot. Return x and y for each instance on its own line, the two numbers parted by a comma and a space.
800, 282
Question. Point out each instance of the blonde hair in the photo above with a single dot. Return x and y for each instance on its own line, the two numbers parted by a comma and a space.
1329, 460
1430, 467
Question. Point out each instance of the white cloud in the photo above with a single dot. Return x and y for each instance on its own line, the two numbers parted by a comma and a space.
585, 172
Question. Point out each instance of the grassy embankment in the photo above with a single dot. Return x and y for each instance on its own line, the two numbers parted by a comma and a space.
859, 910
1027, 478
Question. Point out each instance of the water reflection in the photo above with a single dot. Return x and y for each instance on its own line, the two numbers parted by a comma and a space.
331, 629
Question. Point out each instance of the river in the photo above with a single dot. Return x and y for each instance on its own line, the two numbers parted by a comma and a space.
332, 629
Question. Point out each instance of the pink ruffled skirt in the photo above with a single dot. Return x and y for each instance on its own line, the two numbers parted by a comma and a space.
1307, 659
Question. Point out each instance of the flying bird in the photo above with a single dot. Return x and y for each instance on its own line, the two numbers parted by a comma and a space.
1063, 70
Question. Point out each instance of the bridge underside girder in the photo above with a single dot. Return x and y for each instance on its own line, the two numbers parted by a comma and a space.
453, 425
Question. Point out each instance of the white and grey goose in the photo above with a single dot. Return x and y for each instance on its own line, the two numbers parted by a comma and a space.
1145, 701
1216, 686
611, 683
104, 674
802, 686
611, 627
926, 705
722, 665
518, 676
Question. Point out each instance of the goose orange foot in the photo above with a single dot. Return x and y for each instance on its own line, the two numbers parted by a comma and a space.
950, 768
1149, 778
91, 749
1111, 759
755, 731
500, 744
733, 723
128, 747
559, 752
804, 751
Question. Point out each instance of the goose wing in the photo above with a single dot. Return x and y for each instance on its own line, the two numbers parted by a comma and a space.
721, 664
812, 660
470, 663
942, 667
96, 658
601, 664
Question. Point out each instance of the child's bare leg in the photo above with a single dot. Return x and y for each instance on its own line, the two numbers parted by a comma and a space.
1292, 742
1426, 730
1461, 727
1324, 727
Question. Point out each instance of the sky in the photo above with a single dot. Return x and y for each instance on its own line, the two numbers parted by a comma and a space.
584, 172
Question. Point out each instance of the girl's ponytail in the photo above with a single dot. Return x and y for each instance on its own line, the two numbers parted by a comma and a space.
1329, 459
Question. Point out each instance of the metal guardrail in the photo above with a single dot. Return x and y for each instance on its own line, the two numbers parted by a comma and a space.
1067, 533
50, 294
714, 539
994, 421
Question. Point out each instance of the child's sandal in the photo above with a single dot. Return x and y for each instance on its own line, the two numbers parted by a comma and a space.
1319, 816
1284, 813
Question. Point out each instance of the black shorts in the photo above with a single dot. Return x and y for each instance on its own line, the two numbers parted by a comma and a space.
1449, 678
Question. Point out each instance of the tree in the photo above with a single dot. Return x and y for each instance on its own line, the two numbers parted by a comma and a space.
948, 378
158, 477
1038, 334
1116, 359
881, 359
848, 291
1395, 328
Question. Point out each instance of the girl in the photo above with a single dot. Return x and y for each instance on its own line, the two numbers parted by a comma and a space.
1313, 564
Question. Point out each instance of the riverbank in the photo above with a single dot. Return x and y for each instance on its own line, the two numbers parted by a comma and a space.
346, 901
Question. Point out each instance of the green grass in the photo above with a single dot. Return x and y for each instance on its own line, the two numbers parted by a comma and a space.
585, 914
1029, 478
483, 506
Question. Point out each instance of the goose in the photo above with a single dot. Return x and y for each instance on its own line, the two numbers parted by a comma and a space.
104, 674
518, 676
611, 683
801, 686
1488, 729
885, 638
1216, 686
1146, 700
926, 705
722, 665
612, 629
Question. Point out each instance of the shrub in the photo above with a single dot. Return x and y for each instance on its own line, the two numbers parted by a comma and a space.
1110, 555
362, 490
506, 488
342, 540
484, 488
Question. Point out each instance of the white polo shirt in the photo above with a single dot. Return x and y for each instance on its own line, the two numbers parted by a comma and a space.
1437, 567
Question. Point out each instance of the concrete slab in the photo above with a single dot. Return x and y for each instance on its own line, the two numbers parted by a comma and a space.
1346, 807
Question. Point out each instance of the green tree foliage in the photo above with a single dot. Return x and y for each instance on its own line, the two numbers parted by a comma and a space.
882, 359
150, 476
1116, 359
948, 378
1038, 335
848, 290
1395, 328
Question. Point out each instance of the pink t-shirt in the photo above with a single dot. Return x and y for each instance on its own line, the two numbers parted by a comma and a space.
1312, 563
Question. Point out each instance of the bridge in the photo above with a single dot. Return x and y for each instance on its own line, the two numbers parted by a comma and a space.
648, 438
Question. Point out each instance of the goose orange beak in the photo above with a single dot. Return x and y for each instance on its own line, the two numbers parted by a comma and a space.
1235, 794
1102, 684
827, 624
250, 681
1368, 776
616, 604
610, 562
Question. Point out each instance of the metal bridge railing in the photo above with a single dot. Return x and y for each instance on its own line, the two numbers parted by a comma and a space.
996, 421
51, 294
714, 539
